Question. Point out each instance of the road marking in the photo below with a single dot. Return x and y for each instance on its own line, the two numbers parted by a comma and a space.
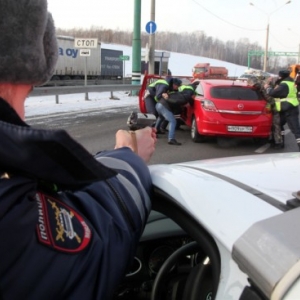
263, 148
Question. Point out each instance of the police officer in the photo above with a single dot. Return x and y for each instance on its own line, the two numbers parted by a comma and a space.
70, 222
171, 104
259, 83
156, 89
286, 103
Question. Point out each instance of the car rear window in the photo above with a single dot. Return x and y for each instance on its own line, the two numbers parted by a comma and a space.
235, 93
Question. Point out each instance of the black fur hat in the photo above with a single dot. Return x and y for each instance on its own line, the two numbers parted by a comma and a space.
28, 47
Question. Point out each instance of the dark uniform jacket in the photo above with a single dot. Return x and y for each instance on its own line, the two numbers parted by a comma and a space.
282, 90
177, 100
69, 223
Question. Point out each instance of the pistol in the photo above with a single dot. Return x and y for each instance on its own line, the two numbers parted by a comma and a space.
138, 120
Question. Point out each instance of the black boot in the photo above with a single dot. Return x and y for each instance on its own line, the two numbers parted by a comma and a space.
278, 145
173, 142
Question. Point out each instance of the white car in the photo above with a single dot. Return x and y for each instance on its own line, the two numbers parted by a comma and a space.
226, 229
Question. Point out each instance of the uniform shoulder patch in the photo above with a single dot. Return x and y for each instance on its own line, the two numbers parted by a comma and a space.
60, 226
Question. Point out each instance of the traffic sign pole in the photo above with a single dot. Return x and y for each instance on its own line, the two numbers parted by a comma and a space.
85, 44
151, 29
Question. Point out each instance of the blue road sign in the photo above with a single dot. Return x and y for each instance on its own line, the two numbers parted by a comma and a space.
151, 27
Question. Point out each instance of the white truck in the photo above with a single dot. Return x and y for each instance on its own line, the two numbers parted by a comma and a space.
71, 65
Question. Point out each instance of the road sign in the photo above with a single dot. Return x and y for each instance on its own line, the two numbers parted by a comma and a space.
85, 52
124, 57
272, 53
151, 27
85, 43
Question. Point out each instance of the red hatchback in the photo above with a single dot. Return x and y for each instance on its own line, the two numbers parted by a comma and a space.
225, 108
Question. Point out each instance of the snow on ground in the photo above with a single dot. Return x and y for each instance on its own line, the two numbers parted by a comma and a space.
46, 105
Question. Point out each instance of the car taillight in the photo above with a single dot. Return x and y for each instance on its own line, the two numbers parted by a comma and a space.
267, 109
208, 105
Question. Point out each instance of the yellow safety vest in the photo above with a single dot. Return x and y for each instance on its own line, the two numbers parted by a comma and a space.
291, 97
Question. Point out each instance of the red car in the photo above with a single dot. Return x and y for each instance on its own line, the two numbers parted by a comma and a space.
224, 108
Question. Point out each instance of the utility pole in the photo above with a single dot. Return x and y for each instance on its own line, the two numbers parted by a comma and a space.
268, 14
136, 45
151, 68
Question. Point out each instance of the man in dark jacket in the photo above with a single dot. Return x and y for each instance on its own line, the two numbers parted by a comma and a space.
286, 103
171, 104
156, 89
69, 222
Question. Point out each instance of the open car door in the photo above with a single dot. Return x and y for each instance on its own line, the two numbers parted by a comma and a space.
148, 79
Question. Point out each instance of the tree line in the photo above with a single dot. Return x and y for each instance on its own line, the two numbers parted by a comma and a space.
194, 43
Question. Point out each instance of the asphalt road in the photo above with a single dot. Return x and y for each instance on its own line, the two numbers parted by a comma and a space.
96, 131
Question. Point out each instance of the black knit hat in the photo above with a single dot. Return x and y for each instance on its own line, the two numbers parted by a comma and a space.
28, 48
284, 73
177, 81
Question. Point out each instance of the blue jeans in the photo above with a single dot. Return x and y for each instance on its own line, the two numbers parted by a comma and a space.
165, 114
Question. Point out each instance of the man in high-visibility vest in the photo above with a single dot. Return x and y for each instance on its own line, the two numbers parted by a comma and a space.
287, 104
170, 104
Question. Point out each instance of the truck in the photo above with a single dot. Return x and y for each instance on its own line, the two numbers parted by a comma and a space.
111, 65
294, 69
101, 64
205, 70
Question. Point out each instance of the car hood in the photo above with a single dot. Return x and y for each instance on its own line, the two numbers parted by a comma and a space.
247, 204
233, 191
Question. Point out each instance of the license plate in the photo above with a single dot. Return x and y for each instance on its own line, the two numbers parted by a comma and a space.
239, 128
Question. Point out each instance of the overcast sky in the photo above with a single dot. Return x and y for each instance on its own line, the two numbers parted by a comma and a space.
222, 19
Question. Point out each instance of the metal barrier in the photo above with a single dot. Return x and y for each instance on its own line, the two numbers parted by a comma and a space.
65, 90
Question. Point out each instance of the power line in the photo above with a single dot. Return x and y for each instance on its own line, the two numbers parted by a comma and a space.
225, 21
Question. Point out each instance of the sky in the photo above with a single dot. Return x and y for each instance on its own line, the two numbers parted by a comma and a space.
180, 65
222, 19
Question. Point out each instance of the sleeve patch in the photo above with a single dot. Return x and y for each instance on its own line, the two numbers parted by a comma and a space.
59, 226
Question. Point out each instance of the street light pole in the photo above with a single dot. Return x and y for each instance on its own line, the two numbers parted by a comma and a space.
151, 68
298, 46
268, 31
266, 48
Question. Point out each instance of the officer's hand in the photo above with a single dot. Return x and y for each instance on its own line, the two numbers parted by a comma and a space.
165, 95
141, 141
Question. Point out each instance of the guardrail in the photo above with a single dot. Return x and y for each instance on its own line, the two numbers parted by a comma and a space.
75, 82
65, 90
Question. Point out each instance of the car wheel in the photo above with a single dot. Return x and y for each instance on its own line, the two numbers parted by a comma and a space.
55, 78
195, 135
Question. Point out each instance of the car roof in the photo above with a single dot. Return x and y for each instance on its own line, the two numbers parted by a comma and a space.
222, 82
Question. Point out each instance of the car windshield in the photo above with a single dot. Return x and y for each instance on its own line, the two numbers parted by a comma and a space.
235, 93
247, 76
200, 70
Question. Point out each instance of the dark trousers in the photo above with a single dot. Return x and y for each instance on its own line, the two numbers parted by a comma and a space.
289, 115
150, 105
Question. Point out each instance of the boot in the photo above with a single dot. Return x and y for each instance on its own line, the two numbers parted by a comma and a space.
173, 142
298, 145
278, 146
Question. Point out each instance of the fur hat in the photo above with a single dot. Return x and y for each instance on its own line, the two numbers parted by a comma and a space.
28, 48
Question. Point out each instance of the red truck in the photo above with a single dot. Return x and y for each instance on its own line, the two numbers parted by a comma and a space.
205, 70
